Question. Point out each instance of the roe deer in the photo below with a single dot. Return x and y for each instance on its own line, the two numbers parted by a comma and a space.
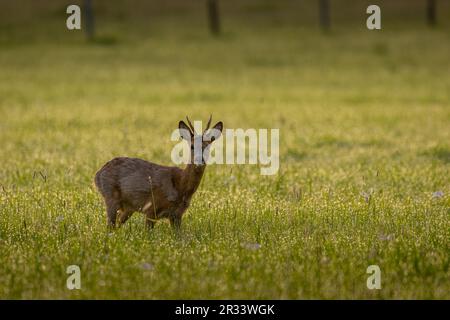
130, 184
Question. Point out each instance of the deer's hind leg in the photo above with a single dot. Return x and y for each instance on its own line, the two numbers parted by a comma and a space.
175, 222
112, 208
123, 215
150, 215
111, 195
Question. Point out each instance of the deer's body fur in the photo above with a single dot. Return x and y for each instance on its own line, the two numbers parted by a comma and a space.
131, 185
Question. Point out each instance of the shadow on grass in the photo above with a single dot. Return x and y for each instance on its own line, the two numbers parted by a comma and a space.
103, 40
440, 153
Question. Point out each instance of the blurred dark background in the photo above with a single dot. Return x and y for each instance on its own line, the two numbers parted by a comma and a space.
28, 20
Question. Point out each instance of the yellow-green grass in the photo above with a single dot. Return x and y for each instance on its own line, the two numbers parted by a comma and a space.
364, 121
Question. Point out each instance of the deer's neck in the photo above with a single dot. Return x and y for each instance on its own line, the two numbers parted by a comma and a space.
191, 178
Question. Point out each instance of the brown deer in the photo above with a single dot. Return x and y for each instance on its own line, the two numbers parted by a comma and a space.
130, 184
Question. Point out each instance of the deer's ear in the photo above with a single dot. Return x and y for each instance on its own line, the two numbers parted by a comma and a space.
216, 131
185, 131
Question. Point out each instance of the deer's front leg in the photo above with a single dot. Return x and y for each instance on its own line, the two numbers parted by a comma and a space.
149, 223
123, 216
175, 222
175, 217
150, 215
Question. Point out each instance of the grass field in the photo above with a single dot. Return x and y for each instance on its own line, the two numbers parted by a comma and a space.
364, 121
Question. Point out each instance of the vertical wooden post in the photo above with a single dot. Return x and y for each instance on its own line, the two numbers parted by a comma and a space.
213, 16
431, 12
324, 14
88, 16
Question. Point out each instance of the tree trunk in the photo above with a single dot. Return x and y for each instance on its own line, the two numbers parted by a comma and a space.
213, 15
88, 13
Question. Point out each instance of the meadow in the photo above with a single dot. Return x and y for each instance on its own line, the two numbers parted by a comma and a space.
364, 119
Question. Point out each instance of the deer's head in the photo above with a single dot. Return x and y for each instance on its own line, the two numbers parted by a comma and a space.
199, 143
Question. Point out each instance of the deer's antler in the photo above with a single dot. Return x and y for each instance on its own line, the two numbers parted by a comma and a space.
190, 124
209, 122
